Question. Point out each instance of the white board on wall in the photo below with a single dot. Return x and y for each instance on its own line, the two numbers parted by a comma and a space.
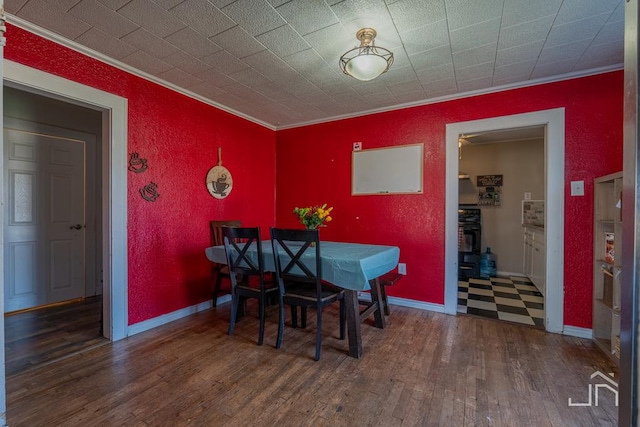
388, 170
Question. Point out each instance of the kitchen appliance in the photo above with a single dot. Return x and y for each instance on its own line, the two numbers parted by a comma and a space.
469, 241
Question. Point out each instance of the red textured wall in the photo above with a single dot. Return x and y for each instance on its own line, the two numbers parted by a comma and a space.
179, 137
314, 166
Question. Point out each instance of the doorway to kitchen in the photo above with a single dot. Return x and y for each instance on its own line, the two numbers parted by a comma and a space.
552, 121
500, 174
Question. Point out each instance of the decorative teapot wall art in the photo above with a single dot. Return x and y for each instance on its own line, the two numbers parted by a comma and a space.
219, 181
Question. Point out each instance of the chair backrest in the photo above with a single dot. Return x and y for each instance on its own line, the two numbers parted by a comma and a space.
215, 228
296, 254
237, 241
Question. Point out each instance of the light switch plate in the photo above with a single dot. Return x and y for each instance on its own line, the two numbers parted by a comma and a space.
402, 268
577, 188
527, 196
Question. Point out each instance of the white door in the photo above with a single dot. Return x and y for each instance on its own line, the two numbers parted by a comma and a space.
44, 255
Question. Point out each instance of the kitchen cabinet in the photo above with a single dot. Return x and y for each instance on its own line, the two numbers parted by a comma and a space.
534, 260
607, 266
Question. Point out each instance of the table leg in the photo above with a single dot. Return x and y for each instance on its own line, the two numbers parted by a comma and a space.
353, 323
376, 296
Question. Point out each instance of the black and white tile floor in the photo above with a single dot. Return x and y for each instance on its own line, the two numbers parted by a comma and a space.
513, 299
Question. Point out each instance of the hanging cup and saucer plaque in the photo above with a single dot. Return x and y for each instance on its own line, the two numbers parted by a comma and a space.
219, 180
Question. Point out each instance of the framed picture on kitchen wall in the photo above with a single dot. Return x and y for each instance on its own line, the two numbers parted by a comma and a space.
489, 190
388, 170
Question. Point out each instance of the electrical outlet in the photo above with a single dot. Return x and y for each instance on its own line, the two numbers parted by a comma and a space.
402, 268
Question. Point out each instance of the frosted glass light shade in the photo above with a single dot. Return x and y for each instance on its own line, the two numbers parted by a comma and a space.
366, 67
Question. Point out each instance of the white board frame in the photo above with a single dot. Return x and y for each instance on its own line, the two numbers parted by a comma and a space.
388, 170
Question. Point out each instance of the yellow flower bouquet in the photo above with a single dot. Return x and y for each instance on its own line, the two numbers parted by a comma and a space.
313, 217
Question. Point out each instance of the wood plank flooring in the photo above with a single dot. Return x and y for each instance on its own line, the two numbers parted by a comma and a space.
424, 369
39, 337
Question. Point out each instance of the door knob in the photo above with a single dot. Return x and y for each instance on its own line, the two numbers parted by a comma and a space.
76, 227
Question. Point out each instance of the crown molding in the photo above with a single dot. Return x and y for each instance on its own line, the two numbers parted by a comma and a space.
51, 36
462, 95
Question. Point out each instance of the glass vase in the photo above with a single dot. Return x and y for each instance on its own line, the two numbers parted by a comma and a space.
311, 227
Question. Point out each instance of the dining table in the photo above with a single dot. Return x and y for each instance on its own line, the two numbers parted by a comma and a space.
354, 267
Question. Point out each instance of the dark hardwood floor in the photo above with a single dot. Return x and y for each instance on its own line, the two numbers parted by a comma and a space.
425, 368
40, 337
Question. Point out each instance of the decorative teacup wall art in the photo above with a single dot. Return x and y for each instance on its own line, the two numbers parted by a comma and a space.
149, 192
219, 181
136, 164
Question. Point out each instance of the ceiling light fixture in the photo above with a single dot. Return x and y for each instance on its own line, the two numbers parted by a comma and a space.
367, 61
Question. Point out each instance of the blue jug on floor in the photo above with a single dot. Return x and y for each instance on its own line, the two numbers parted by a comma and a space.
488, 264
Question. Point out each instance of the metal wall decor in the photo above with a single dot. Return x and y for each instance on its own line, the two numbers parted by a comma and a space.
136, 164
150, 192
219, 181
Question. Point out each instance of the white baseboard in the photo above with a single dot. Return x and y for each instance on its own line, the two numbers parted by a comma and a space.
223, 299
429, 306
510, 273
170, 317
574, 331
403, 302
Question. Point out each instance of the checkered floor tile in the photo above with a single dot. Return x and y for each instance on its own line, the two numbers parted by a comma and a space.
514, 299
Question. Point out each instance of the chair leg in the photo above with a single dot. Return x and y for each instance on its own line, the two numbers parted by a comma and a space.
294, 316
343, 317
280, 323
216, 288
261, 301
318, 332
383, 299
234, 313
242, 307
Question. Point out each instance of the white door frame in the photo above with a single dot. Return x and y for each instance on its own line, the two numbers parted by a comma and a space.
553, 120
114, 181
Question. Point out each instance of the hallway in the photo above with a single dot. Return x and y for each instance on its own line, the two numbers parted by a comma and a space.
40, 337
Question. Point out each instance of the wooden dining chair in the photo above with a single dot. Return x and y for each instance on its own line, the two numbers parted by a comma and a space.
255, 283
219, 271
298, 273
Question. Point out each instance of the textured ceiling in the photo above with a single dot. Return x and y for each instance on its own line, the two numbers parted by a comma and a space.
276, 61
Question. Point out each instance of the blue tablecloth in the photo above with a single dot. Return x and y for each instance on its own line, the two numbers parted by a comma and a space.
347, 265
